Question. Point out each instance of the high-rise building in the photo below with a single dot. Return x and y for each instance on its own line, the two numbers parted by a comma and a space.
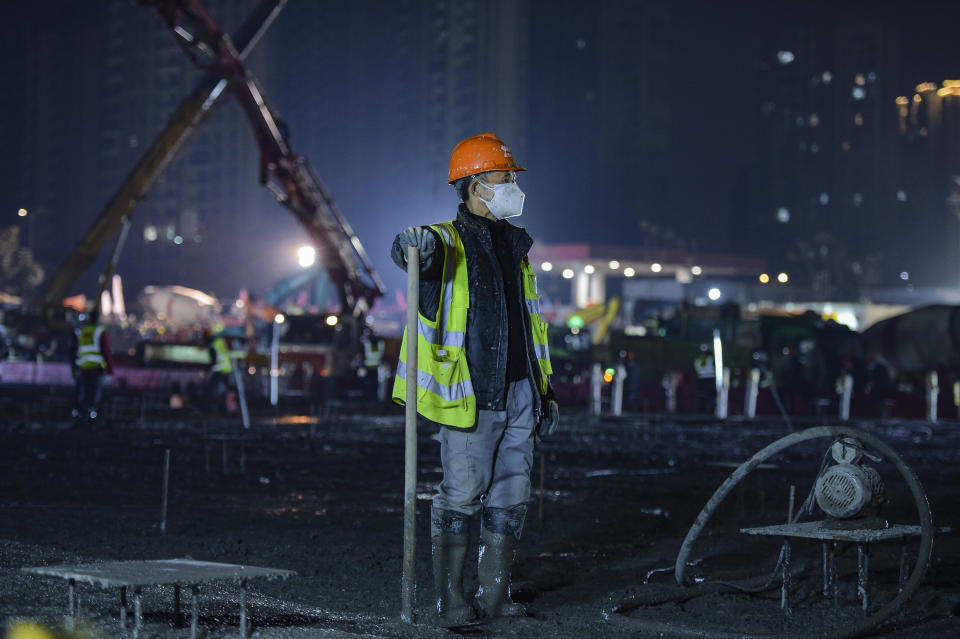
821, 200
928, 185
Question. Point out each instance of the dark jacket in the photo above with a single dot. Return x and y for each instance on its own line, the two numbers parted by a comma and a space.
487, 337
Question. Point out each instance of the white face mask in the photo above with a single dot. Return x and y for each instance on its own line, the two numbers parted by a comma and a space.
507, 200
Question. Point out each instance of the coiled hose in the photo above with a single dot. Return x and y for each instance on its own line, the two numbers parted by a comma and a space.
855, 630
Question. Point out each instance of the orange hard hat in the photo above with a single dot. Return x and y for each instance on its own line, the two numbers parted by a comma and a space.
479, 154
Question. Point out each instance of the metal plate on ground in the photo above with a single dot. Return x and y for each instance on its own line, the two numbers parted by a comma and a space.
822, 530
157, 572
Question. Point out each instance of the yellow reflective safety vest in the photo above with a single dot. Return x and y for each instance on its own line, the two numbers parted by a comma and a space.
222, 364
445, 392
89, 356
373, 355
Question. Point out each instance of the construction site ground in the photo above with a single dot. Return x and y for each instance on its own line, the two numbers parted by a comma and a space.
612, 501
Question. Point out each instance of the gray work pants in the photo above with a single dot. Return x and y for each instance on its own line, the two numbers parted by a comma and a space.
492, 463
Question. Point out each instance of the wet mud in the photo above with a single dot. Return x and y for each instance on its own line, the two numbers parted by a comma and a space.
612, 502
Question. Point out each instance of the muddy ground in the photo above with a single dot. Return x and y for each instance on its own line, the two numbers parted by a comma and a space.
617, 498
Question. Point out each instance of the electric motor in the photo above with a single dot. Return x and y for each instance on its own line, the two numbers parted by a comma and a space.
846, 490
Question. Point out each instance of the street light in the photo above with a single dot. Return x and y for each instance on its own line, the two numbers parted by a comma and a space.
714, 294
306, 256
783, 278
22, 212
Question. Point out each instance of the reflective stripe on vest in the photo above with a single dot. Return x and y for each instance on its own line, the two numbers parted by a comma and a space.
445, 392
222, 363
89, 356
538, 328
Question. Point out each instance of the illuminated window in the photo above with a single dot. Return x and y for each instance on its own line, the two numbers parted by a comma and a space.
785, 57
859, 80
902, 195
858, 119
858, 93
150, 234
824, 198
857, 199
783, 215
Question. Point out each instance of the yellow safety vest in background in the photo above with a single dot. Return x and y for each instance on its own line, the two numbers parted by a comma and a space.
89, 356
444, 390
223, 363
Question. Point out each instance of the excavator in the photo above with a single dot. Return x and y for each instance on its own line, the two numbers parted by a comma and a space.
290, 177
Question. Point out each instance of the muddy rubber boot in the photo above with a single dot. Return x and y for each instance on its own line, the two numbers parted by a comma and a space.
449, 552
493, 572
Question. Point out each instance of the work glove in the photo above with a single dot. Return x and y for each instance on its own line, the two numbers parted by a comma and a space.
420, 237
550, 418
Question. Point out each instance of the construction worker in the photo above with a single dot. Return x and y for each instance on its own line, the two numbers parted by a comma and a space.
373, 348
483, 374
221, 367
703, 366
91, 359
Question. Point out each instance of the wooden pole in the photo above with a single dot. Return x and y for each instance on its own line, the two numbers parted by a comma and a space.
408, 582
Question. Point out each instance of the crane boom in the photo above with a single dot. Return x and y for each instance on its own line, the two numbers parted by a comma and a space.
288, 176
190, 114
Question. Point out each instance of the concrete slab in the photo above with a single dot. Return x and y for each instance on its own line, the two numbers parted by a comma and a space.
159, 572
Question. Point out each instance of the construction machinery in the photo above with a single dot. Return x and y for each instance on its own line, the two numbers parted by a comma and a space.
342, 260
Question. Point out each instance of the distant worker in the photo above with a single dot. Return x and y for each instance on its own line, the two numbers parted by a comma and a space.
221, 369
373, 349
706, 372
91, 359
483, 373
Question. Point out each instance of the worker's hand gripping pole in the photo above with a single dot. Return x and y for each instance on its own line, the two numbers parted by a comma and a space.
408, 583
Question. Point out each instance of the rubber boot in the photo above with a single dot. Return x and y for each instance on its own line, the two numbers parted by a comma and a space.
493, 572
449, 552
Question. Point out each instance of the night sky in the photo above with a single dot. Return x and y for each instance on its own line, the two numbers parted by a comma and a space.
678, 153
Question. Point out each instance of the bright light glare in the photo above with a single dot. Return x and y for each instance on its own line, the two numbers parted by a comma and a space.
764, 278
546, 266
714, 294
306, 256
568, 273
614, 265
783, 278
629, 272
655, 267
22, 212
696, 270
279, 318
588, 269
332, 320
904, 276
